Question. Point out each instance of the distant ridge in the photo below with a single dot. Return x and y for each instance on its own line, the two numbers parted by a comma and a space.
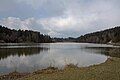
111, 35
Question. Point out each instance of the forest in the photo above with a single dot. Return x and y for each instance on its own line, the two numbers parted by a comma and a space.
22, 36
111, 35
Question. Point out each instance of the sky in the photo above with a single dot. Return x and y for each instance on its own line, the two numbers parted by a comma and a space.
60, 18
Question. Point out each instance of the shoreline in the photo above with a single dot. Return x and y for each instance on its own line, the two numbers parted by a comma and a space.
51, 71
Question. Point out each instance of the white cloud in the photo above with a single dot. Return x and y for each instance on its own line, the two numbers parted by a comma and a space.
12, 22
65, 18
59, 23
26, 24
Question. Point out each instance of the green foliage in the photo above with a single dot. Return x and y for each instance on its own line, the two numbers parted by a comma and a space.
105, 36
21, 36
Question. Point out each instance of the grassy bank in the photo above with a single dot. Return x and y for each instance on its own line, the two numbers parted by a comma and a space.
110, 70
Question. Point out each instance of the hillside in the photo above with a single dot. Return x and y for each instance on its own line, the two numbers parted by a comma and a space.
22, 36
106, 36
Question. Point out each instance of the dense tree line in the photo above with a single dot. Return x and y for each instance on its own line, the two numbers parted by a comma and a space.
105, 36
69, 39
22, 36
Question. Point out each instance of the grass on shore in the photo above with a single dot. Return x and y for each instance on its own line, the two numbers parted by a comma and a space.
110, 70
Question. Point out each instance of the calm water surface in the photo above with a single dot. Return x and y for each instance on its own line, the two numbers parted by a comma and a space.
31, 57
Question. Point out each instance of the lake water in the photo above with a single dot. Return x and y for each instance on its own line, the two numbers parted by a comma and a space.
30, 57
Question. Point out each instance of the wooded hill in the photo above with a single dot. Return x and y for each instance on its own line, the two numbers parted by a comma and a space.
111, 35
22, 36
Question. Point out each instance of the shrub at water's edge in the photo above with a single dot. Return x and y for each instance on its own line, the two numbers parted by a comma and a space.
114, 52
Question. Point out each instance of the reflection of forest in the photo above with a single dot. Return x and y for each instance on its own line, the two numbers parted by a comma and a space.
5, 52
108, 51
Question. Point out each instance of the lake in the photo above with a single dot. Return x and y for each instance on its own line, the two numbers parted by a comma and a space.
28, 57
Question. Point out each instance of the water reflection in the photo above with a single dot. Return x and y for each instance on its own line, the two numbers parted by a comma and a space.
6, 52
30, 57
108, 51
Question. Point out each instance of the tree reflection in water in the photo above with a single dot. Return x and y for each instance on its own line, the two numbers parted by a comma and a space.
5, 52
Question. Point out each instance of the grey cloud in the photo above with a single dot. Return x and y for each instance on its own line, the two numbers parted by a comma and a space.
61, 17
27, 24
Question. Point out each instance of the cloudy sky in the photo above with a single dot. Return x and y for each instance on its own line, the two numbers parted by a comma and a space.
60, 18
